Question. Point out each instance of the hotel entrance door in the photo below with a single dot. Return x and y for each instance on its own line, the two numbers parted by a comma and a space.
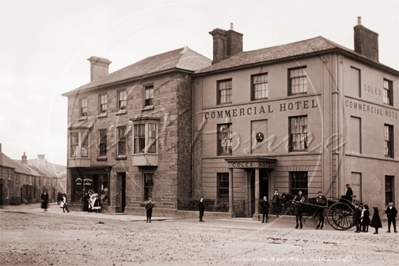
263, 189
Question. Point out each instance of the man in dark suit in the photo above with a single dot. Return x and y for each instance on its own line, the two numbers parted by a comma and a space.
148, 208
391, 213
201, 208
356, 217
265, 209
276, 203
321, 201
298, 208
349, 193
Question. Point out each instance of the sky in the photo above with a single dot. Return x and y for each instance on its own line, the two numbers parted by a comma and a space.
44, 47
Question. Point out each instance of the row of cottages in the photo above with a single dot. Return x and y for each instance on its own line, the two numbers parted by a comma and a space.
310, 115
21, 183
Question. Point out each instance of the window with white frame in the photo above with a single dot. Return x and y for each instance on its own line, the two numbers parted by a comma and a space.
388, 141
149, 95
298, 133
225, 139
388, 92
79, 144
122, 99
260, 88
83, 107
298, 80
145, 138
103, 103
224, 91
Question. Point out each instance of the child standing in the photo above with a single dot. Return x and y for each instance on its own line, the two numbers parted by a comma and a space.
64, 203
376, 221
365, 222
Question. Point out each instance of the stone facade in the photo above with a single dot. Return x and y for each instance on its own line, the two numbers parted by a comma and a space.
169, 165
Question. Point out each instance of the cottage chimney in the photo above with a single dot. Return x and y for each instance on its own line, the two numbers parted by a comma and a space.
225, 43
98, 67
41, 159
0, 147
24, 159
366, 41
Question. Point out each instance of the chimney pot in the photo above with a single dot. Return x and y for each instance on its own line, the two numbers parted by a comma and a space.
359, 20
24, 159
99, 67
231, 25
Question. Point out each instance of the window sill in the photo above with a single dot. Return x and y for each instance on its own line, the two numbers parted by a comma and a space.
102, 115
82, 118
121, 112
101, 158
295, 94
149, 107
121, 157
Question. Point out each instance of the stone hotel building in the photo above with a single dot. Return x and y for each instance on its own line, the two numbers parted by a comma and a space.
310, 115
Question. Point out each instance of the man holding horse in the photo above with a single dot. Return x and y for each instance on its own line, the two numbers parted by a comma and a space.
298, 209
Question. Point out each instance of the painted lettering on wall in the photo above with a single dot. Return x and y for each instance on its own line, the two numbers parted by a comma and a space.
368, 108
263, 109
370, 89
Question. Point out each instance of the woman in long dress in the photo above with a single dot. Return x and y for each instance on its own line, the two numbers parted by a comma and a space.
44, 198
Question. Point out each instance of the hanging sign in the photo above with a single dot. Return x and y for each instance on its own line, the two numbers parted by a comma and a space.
78, 181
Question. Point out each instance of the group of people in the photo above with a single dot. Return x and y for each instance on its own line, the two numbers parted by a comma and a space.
44, 197
91, 201
361, 216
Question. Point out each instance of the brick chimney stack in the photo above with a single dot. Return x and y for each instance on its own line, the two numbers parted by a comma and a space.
99, 67
225, 43
366, 41
24, 159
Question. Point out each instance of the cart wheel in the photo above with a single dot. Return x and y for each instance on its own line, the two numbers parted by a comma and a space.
340, 216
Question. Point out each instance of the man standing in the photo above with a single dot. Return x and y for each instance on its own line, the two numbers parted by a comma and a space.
298, 209
356, 217
276, 201
201, 208
265, 209
148, 208
391, 213
349, 193
321, 201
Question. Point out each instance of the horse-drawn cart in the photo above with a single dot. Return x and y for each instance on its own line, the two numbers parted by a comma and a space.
339, 210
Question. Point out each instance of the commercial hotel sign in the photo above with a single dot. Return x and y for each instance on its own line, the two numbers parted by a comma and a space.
263, 109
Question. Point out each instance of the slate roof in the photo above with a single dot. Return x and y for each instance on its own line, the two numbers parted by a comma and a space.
19, 167
180, 59
275, 53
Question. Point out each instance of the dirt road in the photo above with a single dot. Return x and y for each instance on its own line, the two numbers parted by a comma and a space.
30, 239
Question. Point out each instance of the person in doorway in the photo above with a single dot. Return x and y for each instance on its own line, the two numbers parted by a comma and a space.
64, 203
365, 220
276, 203
201, 208
86, 201
322, 202
298, 209
376, 221
349, 193
356, 217
265, 209
44, 198
148, 207
391, 213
